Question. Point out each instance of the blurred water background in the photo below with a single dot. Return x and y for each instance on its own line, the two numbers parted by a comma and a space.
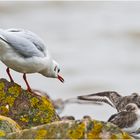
96, 43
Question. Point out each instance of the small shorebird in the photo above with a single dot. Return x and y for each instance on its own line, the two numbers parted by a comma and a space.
112, 98
128, 119
25, 52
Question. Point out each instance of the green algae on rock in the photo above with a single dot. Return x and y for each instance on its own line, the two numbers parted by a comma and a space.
80, 129
7, 125
27, 109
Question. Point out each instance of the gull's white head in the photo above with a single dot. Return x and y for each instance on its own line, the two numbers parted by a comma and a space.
53, 71
56, 70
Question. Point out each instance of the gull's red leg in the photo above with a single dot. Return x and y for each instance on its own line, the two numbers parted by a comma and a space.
8, 72
25, 79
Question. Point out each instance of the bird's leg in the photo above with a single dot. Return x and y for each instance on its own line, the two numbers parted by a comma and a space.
28, 87
8, 72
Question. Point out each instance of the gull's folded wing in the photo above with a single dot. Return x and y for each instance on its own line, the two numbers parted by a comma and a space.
24, 46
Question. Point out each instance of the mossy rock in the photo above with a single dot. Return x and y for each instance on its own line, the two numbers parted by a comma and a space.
7, 125
84, 129
26, 108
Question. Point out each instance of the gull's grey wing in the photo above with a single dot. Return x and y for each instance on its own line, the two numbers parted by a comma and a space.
21, 44
36, 40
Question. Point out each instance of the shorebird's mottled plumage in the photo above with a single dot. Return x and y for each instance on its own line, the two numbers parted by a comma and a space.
109, 97
128, 119
112, 98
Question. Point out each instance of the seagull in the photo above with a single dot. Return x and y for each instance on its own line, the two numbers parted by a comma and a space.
128, 119
25, 52
112, 98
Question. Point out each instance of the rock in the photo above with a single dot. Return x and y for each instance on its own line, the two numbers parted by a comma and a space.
84, 129
7, 125
27, 109
59, 104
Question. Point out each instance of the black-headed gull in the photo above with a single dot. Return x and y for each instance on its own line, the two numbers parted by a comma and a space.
25, 52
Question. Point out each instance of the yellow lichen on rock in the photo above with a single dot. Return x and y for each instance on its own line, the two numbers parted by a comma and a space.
41, 134
9, 101
12, 123
72, 130
7, 125
29, 109
26, 108
78, 131
15, 90
24, 118
2, 85
126, 136
34, 101
2, 133
4, 110
95, 131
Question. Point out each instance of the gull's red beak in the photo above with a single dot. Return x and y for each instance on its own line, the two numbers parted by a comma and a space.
60, 78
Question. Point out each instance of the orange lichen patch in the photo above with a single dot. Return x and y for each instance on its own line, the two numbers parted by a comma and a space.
95, 131
41, 134
77, 132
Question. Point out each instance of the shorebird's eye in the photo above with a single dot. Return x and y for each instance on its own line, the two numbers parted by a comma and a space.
138, 105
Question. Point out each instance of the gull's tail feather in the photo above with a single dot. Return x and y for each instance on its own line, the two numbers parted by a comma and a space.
109, 97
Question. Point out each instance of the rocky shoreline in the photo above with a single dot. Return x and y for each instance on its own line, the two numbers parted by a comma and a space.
31, 116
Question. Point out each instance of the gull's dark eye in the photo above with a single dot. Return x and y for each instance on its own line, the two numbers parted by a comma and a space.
58, 70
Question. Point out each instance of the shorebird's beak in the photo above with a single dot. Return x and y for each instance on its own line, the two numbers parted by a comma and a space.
60, 78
